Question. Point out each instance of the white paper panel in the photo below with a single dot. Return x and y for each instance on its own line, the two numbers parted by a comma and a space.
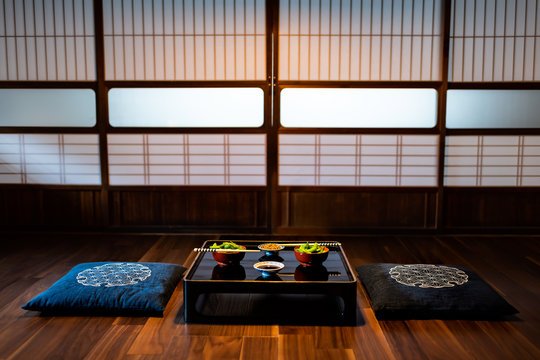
494, 40
47, 40
359, 40
358, 160
493, 109
187, 159
67, 159
186, 107
185, 40
492, 161
47, 107
356, 108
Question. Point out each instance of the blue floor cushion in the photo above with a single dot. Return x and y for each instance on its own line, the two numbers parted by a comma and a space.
110, 288
419, 291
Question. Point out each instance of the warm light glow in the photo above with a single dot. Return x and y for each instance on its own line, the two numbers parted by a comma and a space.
186, 107
355, 108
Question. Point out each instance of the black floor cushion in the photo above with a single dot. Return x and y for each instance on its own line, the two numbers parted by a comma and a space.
420, 291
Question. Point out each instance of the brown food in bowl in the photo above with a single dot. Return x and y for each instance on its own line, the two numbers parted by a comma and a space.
271, 246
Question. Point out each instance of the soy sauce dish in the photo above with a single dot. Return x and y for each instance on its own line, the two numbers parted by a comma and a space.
269, 268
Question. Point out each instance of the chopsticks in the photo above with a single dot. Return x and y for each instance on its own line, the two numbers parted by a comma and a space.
330, 273
320, 243
223, 250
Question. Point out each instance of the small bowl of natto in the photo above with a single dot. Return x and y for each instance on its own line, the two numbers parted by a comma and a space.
271, 248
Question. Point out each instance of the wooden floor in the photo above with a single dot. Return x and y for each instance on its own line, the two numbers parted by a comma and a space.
31, 263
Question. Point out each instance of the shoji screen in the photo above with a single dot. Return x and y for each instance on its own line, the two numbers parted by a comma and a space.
221, 40
51, 40
185, 39
61, 159
187, 159
494, 40
359, 40
358, 160
48, 41
493, 161
343, 42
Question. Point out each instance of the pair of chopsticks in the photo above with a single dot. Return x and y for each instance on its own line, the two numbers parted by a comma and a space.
320, 243
330, 273
223, 250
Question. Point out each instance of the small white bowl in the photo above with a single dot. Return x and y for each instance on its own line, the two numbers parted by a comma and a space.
269, 268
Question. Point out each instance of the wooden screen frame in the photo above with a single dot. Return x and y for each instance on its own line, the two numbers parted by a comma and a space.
96, 206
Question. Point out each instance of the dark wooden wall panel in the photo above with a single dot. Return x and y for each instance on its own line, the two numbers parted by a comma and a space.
197, 208
329, 211
61, 208
492, 208
335, 210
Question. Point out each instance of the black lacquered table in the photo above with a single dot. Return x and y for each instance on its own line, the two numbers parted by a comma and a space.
296, 295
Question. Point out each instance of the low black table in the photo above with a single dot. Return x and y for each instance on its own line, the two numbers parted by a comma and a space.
296, 295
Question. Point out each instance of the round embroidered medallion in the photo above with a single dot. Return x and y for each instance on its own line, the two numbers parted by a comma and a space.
428, 276
114, 274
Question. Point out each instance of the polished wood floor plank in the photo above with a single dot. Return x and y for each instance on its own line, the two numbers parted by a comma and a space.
517, 291
60, 338
196, 329
116, 340
136, 320
222, 347
296, 347
227, 330
261, 330
189, 347
160, 251
15, 334
402, 343
331, 337
335, 354
480, 341
157, 332
434, 337
370, 342
520, 347
260, 348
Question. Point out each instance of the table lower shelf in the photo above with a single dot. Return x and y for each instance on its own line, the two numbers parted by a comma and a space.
283, 309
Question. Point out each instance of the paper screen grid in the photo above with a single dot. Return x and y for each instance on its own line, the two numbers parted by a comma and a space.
185, 40
359, 40
358, 160
47, 40
494, 40
492, 161
70, 159
187, 159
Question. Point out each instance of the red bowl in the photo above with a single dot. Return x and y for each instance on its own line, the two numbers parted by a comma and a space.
307, 259
229, 257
